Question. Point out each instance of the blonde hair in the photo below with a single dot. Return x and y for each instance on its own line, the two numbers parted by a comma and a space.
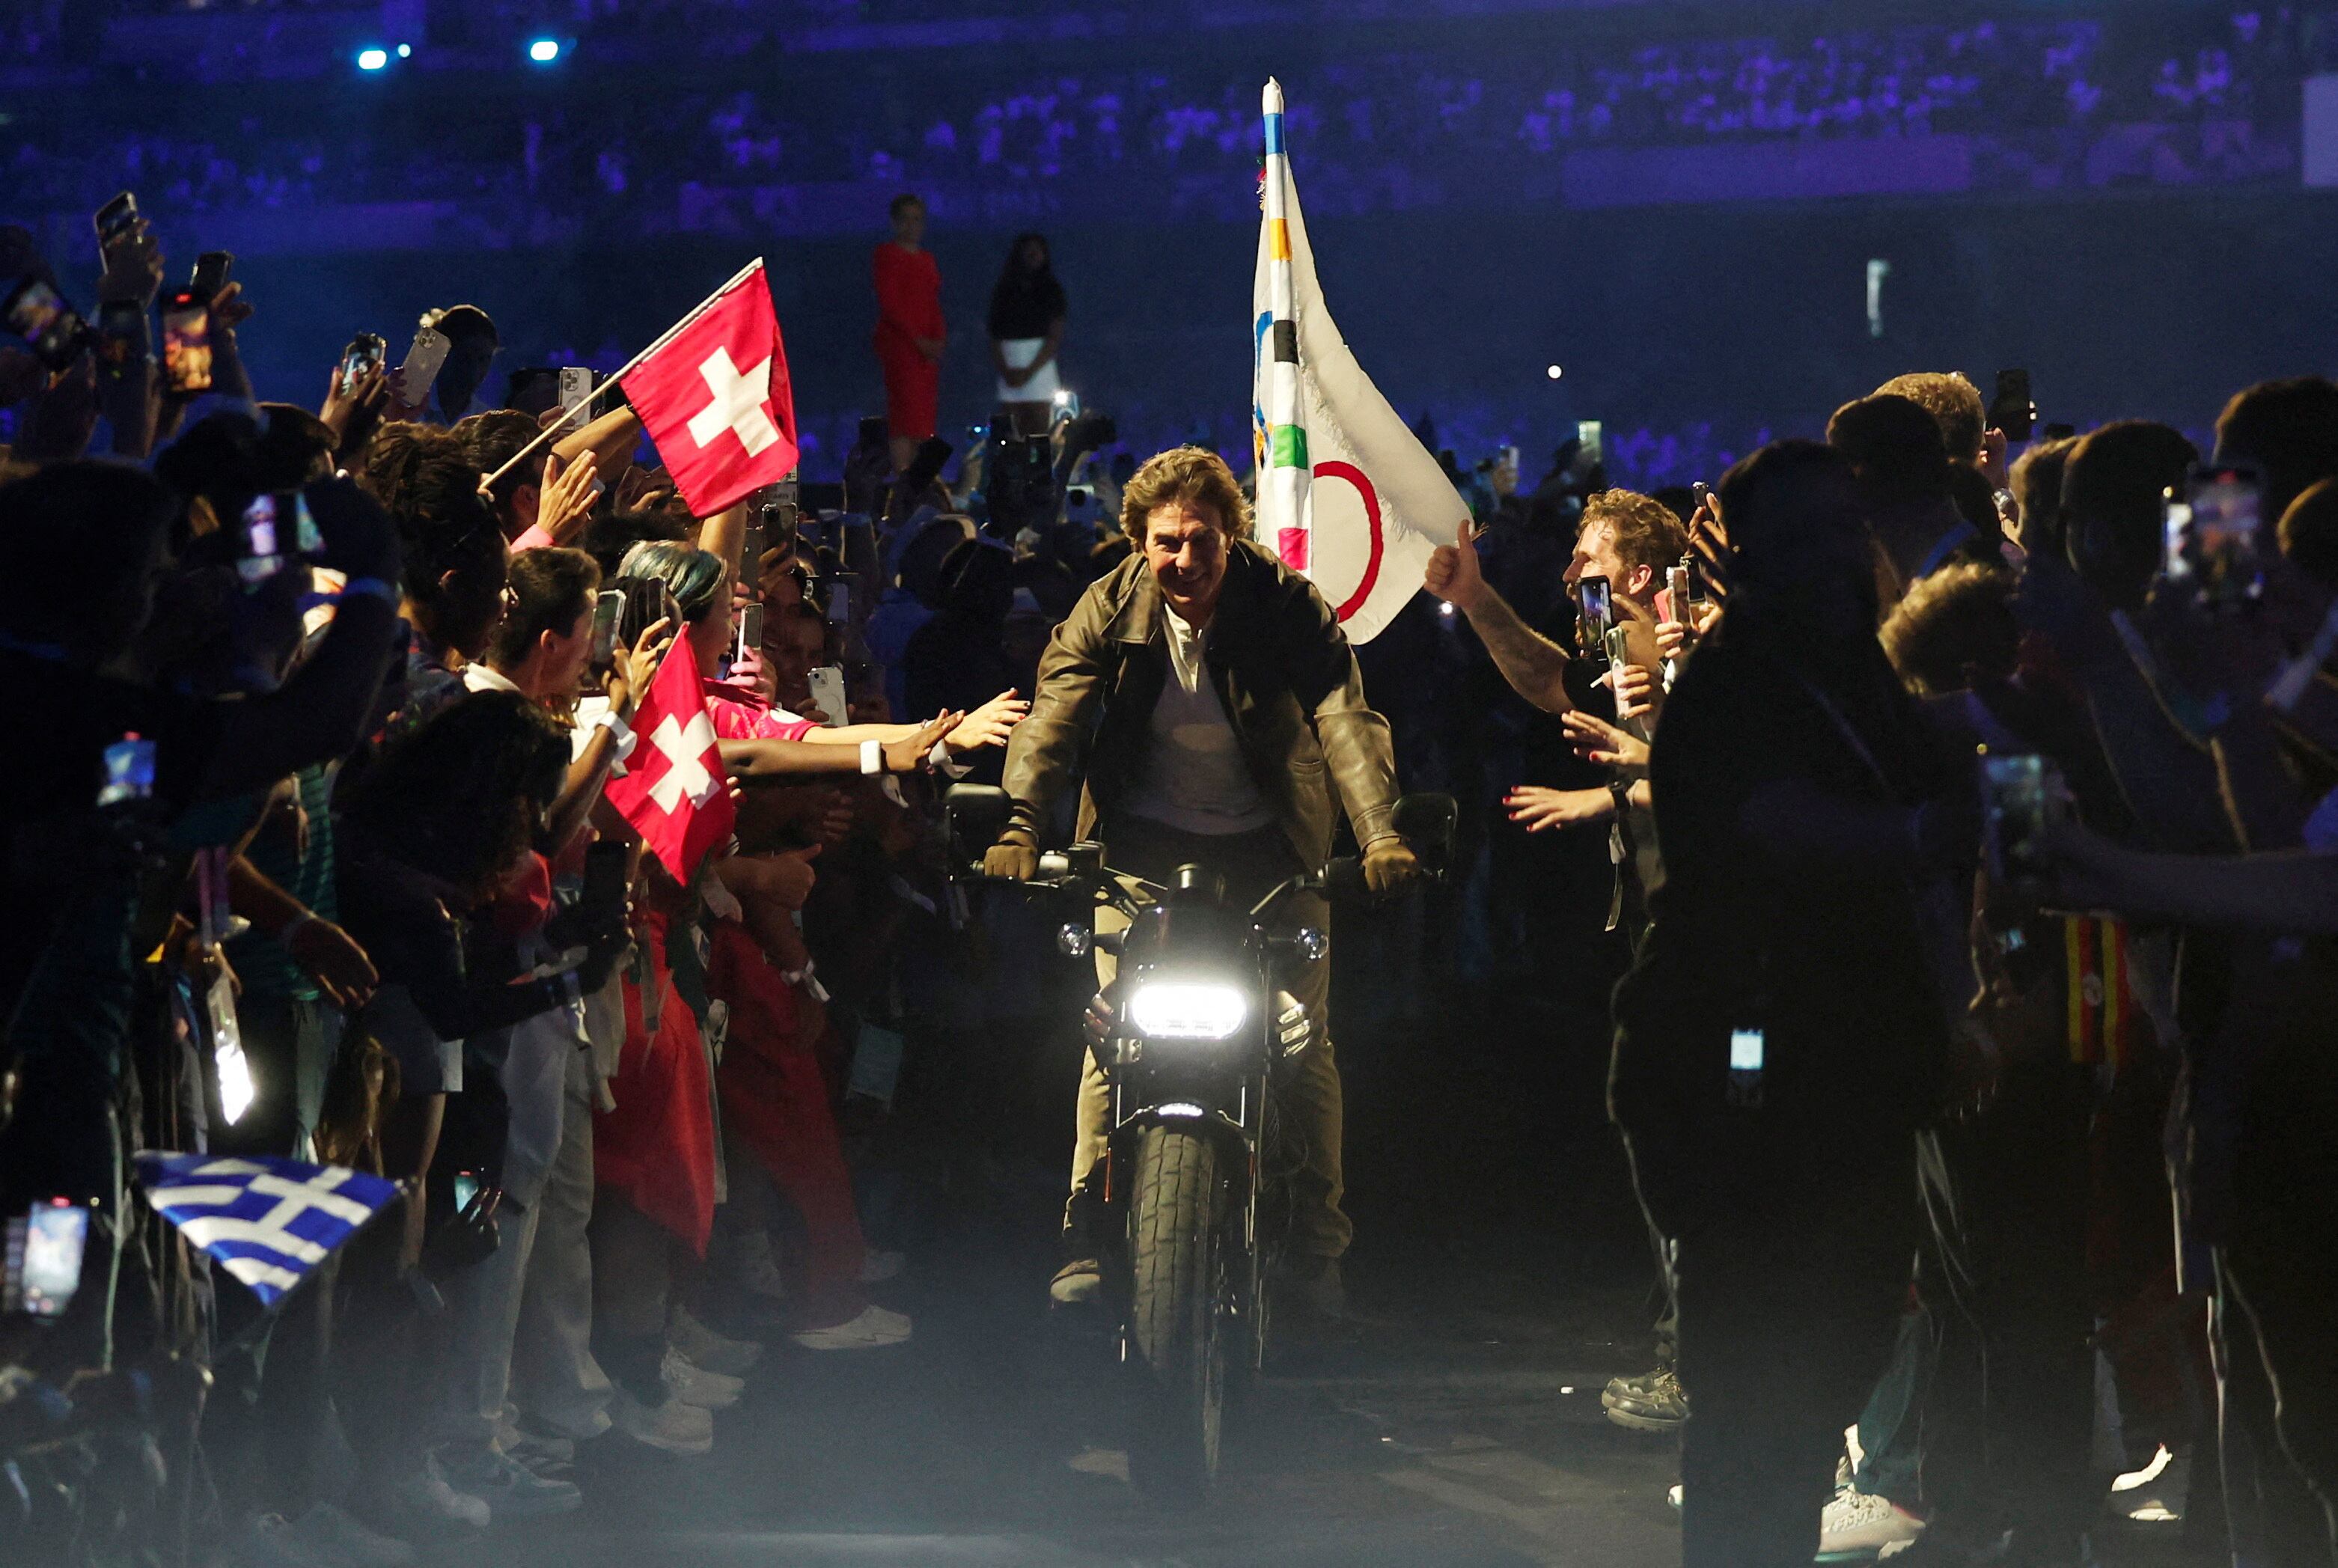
1184, 476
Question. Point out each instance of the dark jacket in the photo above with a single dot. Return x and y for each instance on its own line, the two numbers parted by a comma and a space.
1283, 670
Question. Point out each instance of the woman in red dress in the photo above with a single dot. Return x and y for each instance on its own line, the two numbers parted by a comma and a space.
910, 331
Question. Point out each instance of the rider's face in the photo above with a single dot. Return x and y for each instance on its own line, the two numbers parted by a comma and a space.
1185, 545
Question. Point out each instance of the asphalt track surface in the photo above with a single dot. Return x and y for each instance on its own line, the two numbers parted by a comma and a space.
1499, 1278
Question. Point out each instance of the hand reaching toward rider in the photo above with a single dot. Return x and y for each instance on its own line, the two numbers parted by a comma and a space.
990, 724
1539, 810
1596, 740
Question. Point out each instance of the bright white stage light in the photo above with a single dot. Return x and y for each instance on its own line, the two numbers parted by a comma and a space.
544, 51
372, 59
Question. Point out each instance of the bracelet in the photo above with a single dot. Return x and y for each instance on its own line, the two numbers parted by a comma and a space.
375, 587
872, 757
291, 927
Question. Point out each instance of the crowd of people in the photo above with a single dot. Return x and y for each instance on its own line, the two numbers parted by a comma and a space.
2048, 102
1968, 821
1892, 1003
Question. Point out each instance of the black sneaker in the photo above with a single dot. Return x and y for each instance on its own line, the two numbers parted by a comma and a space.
1652, 1403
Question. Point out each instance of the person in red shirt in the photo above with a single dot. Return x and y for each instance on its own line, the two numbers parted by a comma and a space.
910, 331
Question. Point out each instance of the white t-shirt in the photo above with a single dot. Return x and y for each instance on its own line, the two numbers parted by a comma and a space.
1193, 778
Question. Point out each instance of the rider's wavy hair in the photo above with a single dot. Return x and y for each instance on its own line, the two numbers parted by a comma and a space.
1180, 475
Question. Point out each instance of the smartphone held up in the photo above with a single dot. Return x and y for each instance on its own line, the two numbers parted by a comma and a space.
2214, 532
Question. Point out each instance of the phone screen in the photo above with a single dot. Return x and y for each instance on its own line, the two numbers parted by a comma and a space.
1745, 1050
1598, 612
1587, 433
2021, 792
45, 1253
466, 1190
187, 343
262, 558
2212, 532
365, 351
608, 609
114, 220
129, 771
53, 328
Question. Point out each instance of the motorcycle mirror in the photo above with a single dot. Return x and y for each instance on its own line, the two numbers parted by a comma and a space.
978, 814
1427, 822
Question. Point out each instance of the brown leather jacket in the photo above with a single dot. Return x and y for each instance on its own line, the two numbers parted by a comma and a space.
1282, 668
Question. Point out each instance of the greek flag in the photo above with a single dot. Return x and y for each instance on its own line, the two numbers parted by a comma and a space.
267, 1221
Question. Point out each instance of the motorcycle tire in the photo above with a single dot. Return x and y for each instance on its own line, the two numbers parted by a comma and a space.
1176, 1335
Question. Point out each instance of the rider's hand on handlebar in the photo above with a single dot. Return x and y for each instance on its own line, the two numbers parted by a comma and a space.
1015, 857
1389, 866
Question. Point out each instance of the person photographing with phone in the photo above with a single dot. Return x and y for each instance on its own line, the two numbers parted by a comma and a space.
1625, 543
1205, 700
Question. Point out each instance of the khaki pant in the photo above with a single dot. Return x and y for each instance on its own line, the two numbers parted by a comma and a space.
1309, 1097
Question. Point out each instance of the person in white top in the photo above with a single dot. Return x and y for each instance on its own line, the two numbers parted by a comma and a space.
1205, 696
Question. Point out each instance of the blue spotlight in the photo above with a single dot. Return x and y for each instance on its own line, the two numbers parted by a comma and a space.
544, 51
404, 50
372, 59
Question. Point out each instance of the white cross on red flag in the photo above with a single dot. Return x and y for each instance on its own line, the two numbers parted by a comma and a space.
675, 792
716, 399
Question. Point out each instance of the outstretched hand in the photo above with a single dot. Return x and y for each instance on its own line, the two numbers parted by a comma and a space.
990, 724
1596, 740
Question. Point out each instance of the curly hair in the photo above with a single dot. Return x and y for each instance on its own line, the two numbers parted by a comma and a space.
1180, 476
1953, 624
459, 795
1648, 532
1953, 402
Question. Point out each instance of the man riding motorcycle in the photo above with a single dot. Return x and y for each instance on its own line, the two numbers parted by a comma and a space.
1216, 706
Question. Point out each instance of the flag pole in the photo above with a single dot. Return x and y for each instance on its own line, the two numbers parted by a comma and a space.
558, 425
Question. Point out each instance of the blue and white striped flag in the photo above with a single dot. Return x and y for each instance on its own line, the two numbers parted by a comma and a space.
268, 1221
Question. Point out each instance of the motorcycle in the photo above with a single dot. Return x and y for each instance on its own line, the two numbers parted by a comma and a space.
1196, 1035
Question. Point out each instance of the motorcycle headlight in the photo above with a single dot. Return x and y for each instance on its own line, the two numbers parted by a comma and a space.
1188, 1010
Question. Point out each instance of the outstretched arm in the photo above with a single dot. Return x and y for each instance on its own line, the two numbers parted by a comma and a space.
1533, 665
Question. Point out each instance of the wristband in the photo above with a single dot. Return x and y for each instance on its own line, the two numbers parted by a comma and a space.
292, 926
375, 587
872, 757
619, 731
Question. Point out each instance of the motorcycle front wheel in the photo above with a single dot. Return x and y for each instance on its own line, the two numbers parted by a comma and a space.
1177, 1349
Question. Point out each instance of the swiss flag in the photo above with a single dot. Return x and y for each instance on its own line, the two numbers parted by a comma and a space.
716, 398
675, 792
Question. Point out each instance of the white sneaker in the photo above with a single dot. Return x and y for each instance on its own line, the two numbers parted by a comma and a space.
1858, 1525
673, 1427
710, 1351
873, 1328
426, 1498
879, 1266
696, 1386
